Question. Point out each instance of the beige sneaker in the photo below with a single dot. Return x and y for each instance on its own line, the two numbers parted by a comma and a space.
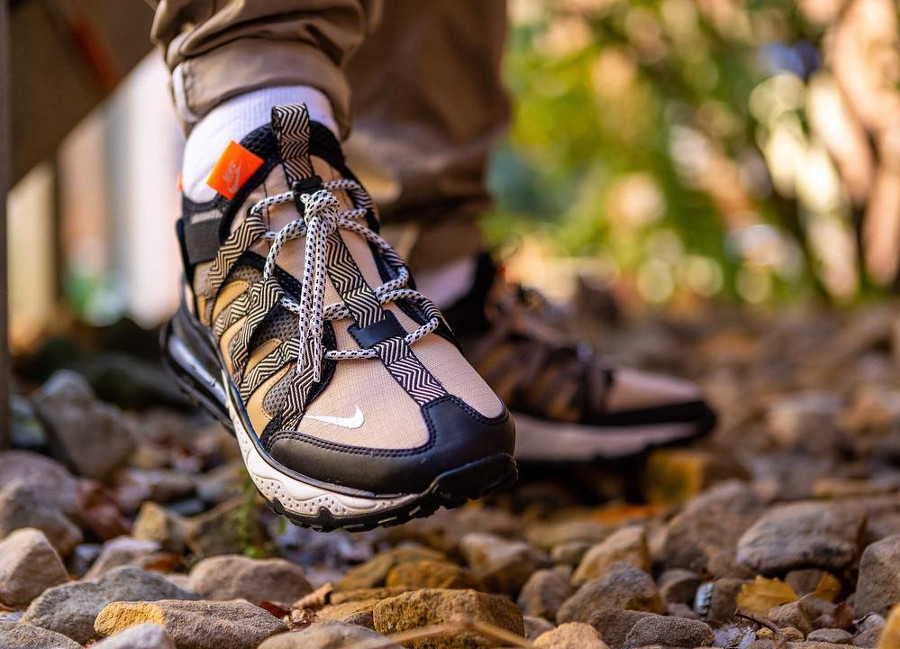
348, 393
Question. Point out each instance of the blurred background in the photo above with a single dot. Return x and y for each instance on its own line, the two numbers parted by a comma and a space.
671, 154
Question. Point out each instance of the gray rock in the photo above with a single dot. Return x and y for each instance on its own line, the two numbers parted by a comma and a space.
58, 486
878, 588
134, 487
142, 636
678, 586
669, 631
19, 635
793, 614
615, 624
28, 566
225, 529
543, 594
27, 504
832, 636
624, 586
806, 580
325, 634
93, 437
628, 545
503, 566
803, 535
572, 635
236, 577
868, 639
715, 601
71, 609
704, 535
805, 421
569, 554
535, 626
121, 551
199, 625
156, 523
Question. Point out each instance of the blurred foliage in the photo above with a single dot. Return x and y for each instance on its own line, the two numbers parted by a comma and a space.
710, 147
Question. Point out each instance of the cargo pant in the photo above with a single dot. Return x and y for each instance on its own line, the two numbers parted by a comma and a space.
417, 80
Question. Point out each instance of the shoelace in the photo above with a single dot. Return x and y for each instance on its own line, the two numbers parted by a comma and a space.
322, 216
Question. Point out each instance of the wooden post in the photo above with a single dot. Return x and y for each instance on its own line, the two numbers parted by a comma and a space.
5, 156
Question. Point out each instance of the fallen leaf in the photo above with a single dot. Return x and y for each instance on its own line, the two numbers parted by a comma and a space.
762, 594
829, 588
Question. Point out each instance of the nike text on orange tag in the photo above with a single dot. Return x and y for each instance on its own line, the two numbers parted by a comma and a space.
234, 167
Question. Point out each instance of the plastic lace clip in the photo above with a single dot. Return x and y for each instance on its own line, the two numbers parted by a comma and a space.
309, 185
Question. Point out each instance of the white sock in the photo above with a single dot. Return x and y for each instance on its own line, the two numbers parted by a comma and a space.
235, 118
448, 283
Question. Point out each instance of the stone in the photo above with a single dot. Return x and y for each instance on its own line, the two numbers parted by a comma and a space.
431, 574
543, 594
425, 607
831, 636
221, 484
142, 636
359, 613
669, 631
676, 475
71, 608
868, 638
624, 586
24, 504
878, 588
502, 565
228, 528
156, 523
373, 572
806, 580
134, 487
122, 551
793, 614
28, 566
20, 635
569, 554
715, 601
341, 596
628, 545
547, 535
535, 626
237, 577
706, 532
571, 635
678, 586
326, 634
237, 624
614, 624
804, 421
803, 535
57, 485
92, 437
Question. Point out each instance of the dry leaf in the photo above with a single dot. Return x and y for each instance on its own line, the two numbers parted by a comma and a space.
829, 588
890, 636
762, 594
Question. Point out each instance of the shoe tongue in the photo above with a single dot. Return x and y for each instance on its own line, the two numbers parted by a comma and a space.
290, 124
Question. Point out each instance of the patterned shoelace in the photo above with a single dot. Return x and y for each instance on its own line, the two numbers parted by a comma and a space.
322, 217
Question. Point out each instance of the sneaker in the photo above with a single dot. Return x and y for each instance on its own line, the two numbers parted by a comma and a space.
568, 403
300, 330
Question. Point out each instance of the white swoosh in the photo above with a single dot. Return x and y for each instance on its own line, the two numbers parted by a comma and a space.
344, 422
237, 178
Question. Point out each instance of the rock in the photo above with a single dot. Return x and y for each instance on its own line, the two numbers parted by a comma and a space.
624, 586
535, 626
543, 594
236, 577
569, 554
803, 535
326, 634
678, 586
715, 601
25, 430
433, 606
572, 635
122, 551
373, 572
70, 609
142, 636
28, 566
94, 438
805, 421
341, 596
134, 487
28, 505
868, 638
547, 535
614, 624
676, 475
53, 480
504, 566
793, 614
705, 533
359, 613
156, 523
878, 588
83, 556
628, 544
669, 631
807, 580
832, 636
221, 484
228, 528
20, 635
199, 625
431, 574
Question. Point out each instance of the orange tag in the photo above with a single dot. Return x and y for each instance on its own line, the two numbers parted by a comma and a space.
233, 169
179, 184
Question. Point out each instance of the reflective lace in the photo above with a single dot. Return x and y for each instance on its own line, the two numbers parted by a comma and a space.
322, 216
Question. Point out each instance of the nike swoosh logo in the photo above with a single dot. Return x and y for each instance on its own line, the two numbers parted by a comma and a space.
236, 171
344, 422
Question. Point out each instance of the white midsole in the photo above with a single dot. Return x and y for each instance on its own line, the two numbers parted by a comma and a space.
295, 496
538, 440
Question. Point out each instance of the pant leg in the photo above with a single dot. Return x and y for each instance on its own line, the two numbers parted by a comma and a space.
428, 105
218, 49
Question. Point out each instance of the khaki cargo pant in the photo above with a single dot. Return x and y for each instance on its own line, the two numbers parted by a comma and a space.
419, 80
